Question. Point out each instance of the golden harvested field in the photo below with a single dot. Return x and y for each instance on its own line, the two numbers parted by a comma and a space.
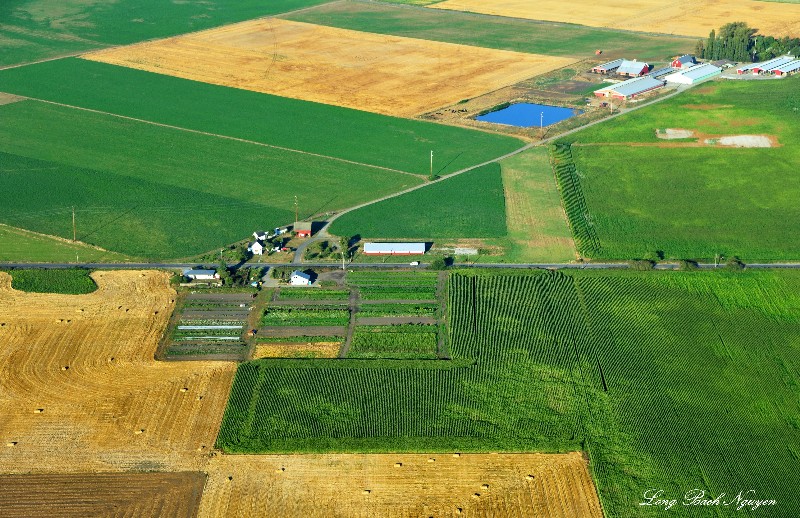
298, 350
134, 495
348, 485
84, 405
383, 74
687, 17
80, 390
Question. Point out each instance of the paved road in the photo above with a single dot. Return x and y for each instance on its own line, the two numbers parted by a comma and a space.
352, 266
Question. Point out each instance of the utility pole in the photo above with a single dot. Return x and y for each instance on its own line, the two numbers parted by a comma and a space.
541, 125
74, 228
295, 210
431, 175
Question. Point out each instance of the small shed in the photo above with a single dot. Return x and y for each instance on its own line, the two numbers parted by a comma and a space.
394, 248
633, 68
257, 248
608, 68
260, 235
302, 228
685, 61
299, 278
201, 275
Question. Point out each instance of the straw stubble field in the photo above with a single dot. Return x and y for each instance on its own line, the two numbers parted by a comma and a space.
85, 406
390, 75
689, 18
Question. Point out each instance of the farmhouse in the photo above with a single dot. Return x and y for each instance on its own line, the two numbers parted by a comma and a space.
694, 75
765, 66
394, 248
608, 68
685, 61
299, 278
788, 68
257, 248
302, 228
201, 275
630, 88
633, 68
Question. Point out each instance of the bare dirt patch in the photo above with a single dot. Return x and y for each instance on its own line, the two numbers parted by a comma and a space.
298, 350
401, 485
383, 74
9, 98
134, 495
671, 134
695, 18
745, 141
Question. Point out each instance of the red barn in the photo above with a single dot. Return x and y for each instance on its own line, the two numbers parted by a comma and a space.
302, 229
684, 61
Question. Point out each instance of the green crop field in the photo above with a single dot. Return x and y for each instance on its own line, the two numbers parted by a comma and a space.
652, 201
38, 29
398, 310
332, 131
306, 316
470, 205
394, 342
72, 281
554, 39
21, 245
668, 380
156, 192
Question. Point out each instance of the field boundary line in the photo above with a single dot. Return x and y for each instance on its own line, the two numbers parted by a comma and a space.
227, 137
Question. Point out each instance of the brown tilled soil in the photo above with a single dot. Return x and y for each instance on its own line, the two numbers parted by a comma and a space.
82, 397
298, 350
134, 495
383, 74
690, 18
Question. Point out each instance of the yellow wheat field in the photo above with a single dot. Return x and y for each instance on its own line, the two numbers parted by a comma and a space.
383, 74
686, 17
81, 394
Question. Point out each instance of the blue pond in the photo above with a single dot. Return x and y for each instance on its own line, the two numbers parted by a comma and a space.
527, 115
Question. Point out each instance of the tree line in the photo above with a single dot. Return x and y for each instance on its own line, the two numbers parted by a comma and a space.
738, 42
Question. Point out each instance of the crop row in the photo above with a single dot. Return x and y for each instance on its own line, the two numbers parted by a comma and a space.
291, 316
313, 294
392, 310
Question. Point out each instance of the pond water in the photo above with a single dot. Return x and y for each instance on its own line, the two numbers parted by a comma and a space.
528, 115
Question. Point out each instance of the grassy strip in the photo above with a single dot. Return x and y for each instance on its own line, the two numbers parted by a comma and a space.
574, 203
554, 39
394, 310
406, 345
72, 281
290, 316
313, 294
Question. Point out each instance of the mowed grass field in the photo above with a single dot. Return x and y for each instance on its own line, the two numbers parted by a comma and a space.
552, 39
22, 245
648, 197
39, 29
316, 128
470, 205
696, 19
382, 74
652, 374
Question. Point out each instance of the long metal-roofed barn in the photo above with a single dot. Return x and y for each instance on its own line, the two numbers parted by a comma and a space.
394, 248
633, 68
660, 72
630, 88
694, 75
607, 68
765, 66
788, 68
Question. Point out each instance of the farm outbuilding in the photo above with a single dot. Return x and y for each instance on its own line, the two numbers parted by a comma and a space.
660, 72
685, 61
201, 275
694, 75
630, 88
608, 68
765, 66
260, 235
302, 228
789, 68
633, 68
394, 248
299, 278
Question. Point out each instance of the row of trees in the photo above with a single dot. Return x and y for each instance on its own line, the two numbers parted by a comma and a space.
738, 42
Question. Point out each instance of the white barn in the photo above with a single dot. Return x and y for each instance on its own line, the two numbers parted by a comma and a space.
201, 275
394, 248
299, 278
694, 75
257, 248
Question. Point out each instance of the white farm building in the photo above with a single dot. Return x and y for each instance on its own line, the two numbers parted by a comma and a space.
694, 75
299, 278
201, 275
394, 248
630, 88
